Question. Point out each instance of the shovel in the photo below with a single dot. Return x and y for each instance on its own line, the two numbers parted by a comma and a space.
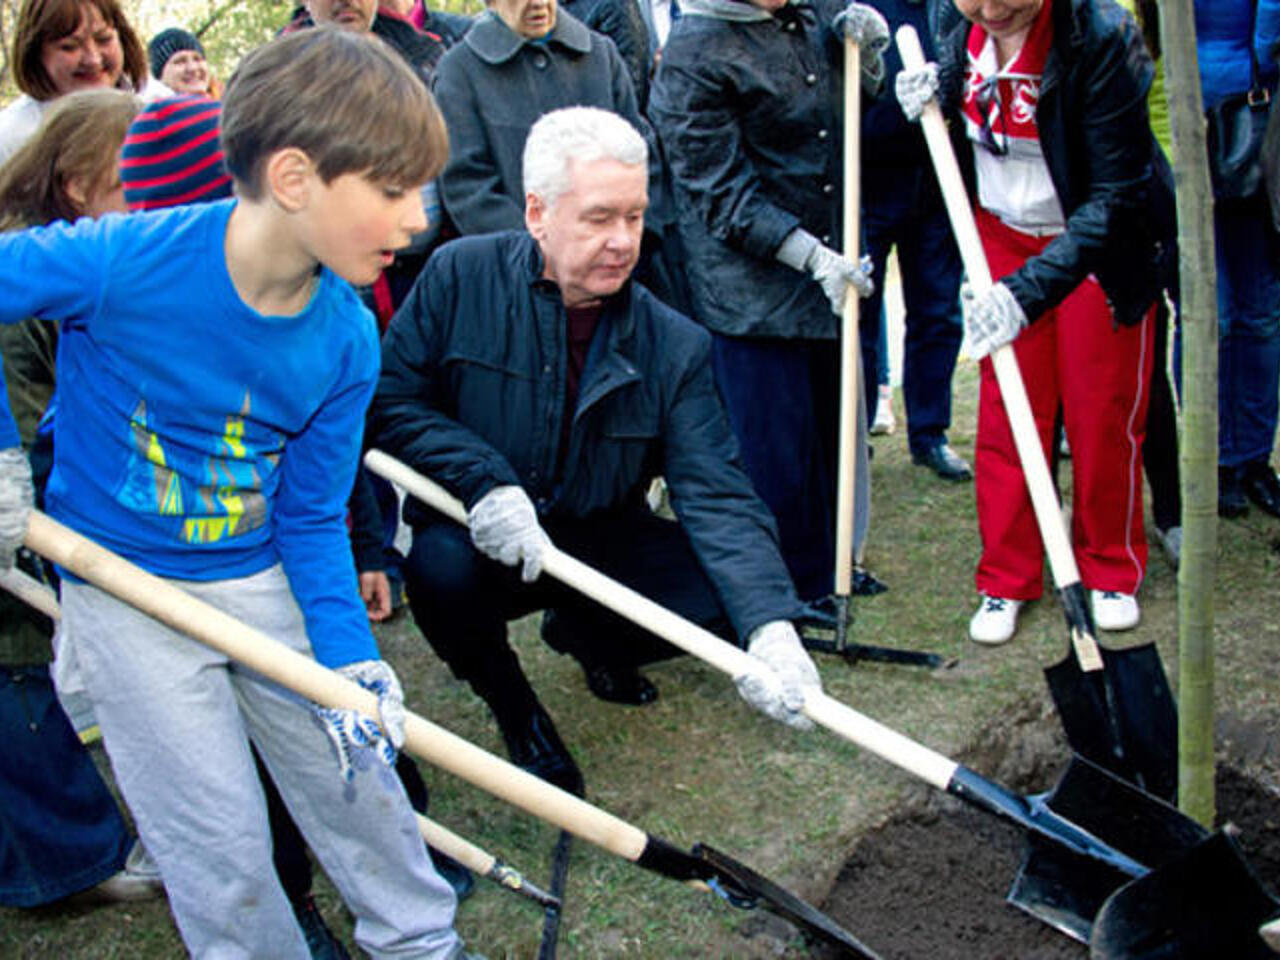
820, 622
734, 882
42, 598
1115, 705
1089, 836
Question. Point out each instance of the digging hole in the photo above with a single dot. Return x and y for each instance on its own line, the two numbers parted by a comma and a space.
932, 880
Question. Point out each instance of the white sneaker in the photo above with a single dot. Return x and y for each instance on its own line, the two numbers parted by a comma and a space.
995, 622
883, 423
1114, 611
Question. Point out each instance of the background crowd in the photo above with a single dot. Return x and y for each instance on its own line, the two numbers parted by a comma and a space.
1058, 120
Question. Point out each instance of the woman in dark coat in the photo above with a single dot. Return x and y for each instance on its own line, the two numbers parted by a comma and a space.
745, 102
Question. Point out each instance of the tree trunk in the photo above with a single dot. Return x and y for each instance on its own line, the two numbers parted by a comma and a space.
1199, 461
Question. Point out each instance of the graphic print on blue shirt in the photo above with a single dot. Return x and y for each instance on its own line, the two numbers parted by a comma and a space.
226, 501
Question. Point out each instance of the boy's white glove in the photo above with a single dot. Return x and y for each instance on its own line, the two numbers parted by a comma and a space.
504, 527
16, 498
349, 729
778, 688
991, 320
867, 27
915, 88
802, 251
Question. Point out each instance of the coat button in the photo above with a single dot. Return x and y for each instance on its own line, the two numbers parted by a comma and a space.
822, 134
811, 79
546, 368
540, 61
827, 188
826, 238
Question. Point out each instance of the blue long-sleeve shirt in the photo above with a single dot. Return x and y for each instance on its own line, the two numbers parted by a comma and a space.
195, 436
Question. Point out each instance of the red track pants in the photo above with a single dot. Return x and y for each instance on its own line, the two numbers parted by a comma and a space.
1074, 355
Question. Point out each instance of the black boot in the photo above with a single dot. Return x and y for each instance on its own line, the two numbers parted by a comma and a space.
321, 942
1261, 485
534, 745
530, 736
1231, 500
608, 676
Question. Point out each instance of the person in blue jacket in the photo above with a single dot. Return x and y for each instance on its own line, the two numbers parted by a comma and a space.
530, 377
1229, 34
214, 367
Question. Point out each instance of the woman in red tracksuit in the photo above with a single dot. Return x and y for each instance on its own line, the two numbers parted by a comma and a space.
1074, 207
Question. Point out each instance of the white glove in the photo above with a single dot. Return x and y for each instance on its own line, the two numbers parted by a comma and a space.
350, 729
991, 320
802, 251
16, 498
786, 674
915, 88
866, 27
504, 527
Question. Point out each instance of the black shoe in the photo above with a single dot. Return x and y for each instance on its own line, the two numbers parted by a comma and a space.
864, 583
535, 746
1231, 501
618, 684
1261, 486
321, 942
945, 462
454, 873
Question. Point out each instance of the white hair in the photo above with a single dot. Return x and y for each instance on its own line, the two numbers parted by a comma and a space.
583, 134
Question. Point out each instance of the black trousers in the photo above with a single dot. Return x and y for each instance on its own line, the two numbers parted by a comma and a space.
462, 601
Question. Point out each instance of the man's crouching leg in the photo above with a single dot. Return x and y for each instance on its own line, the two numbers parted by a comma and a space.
461, 601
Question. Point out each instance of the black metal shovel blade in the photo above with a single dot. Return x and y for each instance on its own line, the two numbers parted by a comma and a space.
1206, 904
782, 902
1066, 889
1120, 814
1062, 888
1144, 722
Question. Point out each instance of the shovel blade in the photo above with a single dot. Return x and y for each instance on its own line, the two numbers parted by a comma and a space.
1133, 733
1066, 889
1203, 905
784, 903
1061, 888
1118, 813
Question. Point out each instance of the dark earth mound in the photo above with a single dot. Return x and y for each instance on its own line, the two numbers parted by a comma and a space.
931, 883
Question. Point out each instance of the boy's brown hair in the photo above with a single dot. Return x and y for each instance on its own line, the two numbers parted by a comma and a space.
345, 99
45, 21
79, 138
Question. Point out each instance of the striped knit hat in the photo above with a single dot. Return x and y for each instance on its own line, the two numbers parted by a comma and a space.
171, 155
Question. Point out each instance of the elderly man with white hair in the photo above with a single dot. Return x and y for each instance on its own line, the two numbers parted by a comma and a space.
529, 375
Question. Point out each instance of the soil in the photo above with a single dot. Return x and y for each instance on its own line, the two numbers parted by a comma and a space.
932, 880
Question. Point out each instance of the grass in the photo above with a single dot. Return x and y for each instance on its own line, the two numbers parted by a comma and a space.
699, 766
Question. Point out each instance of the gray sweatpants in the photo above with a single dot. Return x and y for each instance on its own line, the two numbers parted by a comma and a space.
176, 718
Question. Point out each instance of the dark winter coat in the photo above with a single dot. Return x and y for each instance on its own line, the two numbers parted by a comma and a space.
472, 394
621, 22
493, 86
1114, 184
747, 113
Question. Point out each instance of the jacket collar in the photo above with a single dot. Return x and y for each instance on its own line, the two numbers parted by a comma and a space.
494, 42
617, 308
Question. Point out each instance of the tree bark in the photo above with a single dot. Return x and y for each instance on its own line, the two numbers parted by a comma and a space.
1199, 456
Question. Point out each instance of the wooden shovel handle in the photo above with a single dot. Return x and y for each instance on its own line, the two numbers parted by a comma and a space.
683, 633
1026, 438
42, 598
170, 605
31, 592
850, 362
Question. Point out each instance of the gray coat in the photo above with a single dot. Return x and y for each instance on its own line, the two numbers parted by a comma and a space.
493, 86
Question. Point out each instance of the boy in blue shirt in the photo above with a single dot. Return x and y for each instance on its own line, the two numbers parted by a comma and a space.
214, 371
